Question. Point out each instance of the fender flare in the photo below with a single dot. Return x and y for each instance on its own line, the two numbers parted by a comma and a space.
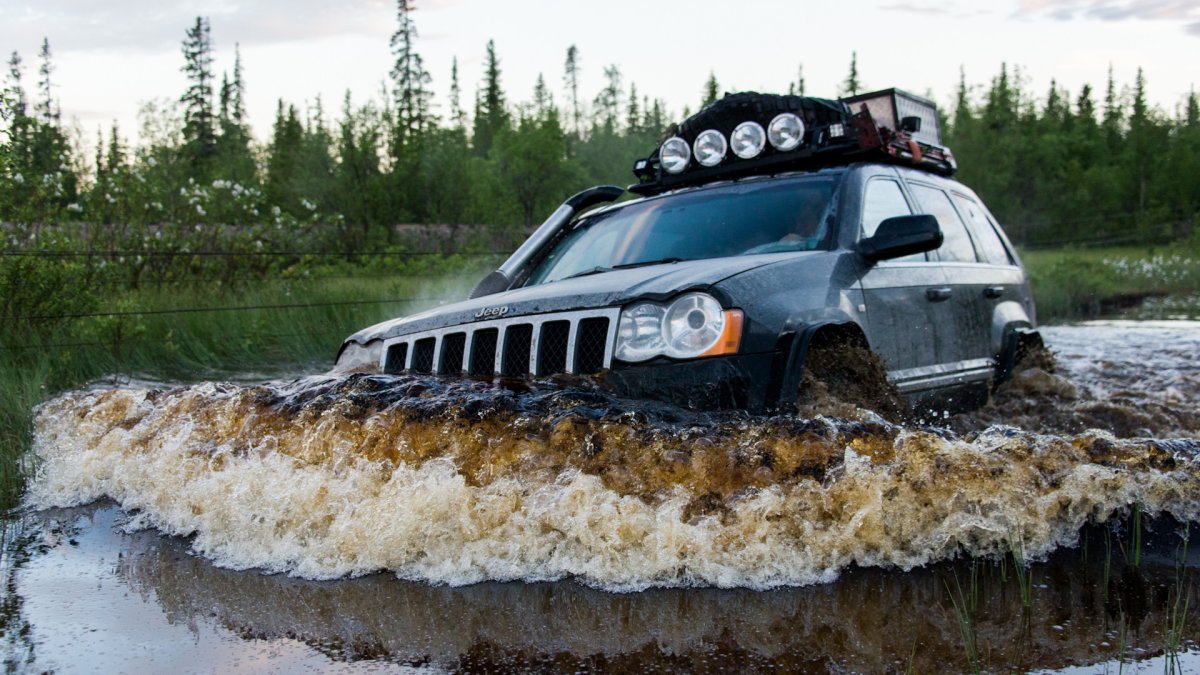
794, 345
1017, 340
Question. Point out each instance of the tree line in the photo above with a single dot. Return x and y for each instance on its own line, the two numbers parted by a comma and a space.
1055, 168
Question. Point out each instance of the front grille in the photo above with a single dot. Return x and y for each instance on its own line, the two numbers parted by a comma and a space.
397, 354
552, 347
541, 345
454, 346
422, 358
590, 345
483, 353
517, 340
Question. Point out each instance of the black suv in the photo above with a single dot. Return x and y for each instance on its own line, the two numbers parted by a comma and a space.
766, 225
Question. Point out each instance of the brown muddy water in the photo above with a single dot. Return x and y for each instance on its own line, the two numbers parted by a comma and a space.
384, 523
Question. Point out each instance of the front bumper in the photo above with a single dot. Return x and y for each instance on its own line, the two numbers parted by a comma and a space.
743, 381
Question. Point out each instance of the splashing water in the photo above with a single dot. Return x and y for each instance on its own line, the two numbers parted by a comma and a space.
459, 482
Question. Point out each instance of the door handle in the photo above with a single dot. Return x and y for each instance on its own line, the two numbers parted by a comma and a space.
993, 292
938, 294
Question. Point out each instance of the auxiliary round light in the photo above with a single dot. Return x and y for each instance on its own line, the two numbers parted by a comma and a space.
674, 155
710, 147
786, 131
748, 139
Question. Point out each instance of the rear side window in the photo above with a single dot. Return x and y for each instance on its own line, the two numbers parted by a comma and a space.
993, 249
956, 246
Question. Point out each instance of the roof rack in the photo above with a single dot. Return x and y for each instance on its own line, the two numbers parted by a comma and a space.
749, 133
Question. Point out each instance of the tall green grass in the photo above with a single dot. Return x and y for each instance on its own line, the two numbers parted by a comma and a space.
197, 345
1087, 283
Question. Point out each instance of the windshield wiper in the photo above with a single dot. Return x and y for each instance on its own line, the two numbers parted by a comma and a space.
623, 266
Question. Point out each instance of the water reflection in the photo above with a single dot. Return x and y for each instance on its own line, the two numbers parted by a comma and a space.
870, 620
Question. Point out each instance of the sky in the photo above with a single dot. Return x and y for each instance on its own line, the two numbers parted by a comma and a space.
113, 56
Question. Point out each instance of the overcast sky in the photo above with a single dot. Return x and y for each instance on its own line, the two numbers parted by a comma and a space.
112, 55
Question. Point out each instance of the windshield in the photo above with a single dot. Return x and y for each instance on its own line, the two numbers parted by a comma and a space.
738, 219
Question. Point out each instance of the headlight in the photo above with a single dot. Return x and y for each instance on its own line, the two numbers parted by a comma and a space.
786, 131
674, 155
710, 147
691, 326
360, 358
748, 139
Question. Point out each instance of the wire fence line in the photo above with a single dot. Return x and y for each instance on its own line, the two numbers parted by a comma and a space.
42, 253
237, 308
135, 339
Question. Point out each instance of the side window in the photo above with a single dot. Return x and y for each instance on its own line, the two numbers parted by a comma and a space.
956, 246
883, 200
992, 248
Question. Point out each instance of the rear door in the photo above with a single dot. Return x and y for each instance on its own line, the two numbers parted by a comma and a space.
971, 280
906, 320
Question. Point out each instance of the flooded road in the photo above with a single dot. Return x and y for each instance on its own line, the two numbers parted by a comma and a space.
461, 528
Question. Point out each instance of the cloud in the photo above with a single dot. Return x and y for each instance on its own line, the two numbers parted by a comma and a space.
948, 9
135, 25
1186, 12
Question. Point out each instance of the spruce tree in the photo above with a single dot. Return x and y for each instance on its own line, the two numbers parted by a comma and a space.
851, 85
571, 80
633, 114
458, 116
198, 129
409, 77
608, 102
543, 102
711, 90
47, 112
18, 103
491, 114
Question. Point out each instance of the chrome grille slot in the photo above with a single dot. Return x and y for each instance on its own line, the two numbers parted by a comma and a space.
591, 342
517, 341
422, 358
397, 354
454, 346
552, 347
524, 346
483, 353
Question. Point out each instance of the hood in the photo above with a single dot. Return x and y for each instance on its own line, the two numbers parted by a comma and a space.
606, 289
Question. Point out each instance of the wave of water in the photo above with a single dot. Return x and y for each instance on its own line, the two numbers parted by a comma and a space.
457, 483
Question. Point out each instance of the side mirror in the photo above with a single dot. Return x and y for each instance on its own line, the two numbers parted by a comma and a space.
901, 236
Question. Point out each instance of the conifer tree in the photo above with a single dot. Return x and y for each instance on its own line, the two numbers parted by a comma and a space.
608, 102
633, 114
16, 101
571, 80
543, 102
711, 90
47, 112
851, 85
1085, 107
1191, 117
458, 116
198, 129
409, 77
491, 114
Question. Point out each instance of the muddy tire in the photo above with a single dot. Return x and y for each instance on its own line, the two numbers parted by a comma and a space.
841, 377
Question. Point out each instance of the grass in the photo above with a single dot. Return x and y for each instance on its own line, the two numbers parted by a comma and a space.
965, 607
1074, 283
300, 328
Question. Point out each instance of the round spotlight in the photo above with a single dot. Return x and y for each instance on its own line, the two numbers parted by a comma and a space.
748, 139
674, 155
786, 131
710, 147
